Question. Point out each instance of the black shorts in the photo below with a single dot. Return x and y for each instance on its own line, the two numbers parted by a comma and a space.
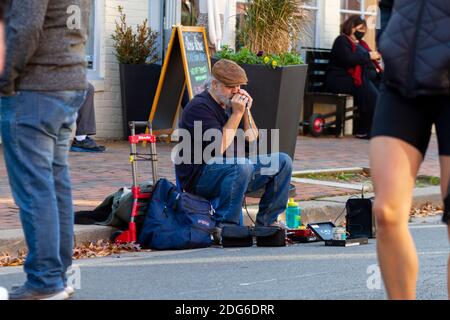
446, 215
411, 120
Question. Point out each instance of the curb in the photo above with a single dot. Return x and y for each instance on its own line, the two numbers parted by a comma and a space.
320, 210
332, 208
13, 240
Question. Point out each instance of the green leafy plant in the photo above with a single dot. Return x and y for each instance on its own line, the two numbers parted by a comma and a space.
273, 26
131, 47
248, 57
268, 32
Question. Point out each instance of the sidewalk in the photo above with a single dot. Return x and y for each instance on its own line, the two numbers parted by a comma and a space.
96, 175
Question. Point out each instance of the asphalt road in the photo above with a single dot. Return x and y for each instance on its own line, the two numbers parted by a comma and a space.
301, 271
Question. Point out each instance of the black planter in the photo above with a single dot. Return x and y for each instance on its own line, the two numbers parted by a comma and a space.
277, 100
138, 83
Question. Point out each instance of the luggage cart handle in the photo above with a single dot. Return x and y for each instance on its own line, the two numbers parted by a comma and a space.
137, 124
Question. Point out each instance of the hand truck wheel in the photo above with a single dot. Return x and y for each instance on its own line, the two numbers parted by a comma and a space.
316, 125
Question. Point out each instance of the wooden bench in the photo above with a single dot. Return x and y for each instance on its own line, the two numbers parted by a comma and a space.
315, 92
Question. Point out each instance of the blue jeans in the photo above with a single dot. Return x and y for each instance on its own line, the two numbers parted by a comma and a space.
228, 183
36, 128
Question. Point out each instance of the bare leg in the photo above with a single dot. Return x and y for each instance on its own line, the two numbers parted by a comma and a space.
445, 181
394, 166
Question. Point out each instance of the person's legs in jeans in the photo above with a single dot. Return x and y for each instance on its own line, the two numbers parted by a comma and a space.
227, 183
31, 130
63, 190
273, 172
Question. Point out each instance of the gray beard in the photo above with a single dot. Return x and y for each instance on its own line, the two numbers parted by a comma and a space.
223, 99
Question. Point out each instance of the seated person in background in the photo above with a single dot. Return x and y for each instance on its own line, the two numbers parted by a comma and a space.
223, 106
86, 126
353, 69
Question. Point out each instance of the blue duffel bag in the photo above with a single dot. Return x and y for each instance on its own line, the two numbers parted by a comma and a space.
176, 220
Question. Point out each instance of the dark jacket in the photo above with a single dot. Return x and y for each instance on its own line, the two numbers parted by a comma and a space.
416, 47
343, 58
212, 116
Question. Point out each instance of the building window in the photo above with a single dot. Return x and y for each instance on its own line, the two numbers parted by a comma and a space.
94, 38
366, 8
309, 36
91, 37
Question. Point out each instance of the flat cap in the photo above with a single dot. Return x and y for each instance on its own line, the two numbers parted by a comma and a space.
229, 73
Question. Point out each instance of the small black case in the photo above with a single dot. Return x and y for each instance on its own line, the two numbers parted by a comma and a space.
270, 236
236, 236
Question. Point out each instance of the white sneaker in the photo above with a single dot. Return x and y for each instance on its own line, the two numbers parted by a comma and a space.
70, 291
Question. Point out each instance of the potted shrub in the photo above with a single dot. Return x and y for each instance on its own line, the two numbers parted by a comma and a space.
276, 74
136, 52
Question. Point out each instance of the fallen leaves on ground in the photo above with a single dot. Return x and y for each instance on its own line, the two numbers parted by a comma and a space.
103, 248
426, 210
6, 260
97, 249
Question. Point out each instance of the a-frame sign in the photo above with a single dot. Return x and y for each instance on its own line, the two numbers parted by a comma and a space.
186, 65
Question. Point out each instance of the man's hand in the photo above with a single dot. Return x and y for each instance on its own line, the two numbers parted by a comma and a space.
250, 99
238, 103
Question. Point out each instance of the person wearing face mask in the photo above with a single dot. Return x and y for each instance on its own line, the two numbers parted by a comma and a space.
354, 69
227, 174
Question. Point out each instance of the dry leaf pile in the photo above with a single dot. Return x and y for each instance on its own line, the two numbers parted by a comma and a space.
104, 248
6, 260
426, 210
97, 249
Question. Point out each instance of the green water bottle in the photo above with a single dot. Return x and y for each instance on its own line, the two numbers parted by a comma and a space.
293, 219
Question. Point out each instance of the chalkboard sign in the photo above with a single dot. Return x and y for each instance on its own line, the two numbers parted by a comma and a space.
197, 62
186, 65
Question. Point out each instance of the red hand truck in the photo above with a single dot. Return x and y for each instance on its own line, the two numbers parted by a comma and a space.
129, 236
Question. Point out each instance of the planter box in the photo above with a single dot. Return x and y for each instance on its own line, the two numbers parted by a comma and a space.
138, 83
278, 100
